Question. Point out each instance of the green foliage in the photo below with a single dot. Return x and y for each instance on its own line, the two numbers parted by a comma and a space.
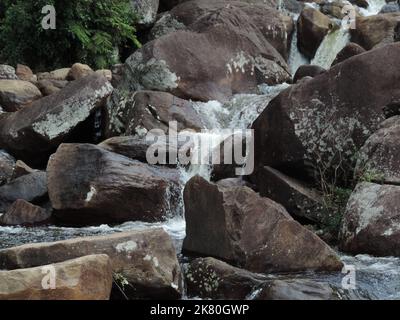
88, 31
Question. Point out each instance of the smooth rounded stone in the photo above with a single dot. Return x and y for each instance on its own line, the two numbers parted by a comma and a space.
145, 10
56, 75
32, 134
298, 199
390, 7
350, 50
312, 27
15, 94
25, 73
317, 125
296, 289
251, 232
375, 31
371, 223
7, 72
50, 86
105, 73
31, 187
221, 58
85, 278
209, 278
146, 259
79, 71
143, 111
307, 71
22, 212
378, 160
89, 185
7, 166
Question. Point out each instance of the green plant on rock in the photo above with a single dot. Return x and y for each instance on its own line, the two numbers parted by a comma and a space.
88, 31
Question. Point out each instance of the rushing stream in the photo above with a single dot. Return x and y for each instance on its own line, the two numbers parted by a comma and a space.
376, 278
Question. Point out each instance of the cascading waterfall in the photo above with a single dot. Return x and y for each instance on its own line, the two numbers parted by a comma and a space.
296, 58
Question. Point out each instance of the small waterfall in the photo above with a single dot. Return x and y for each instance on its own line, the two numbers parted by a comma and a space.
296, 58
332, 44
374, 7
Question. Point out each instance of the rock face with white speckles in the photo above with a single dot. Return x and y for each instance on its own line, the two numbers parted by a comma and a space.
320, 124
146, 259
379, 158
236, 225
89, 185
145, 10
371, 223
33, 133
219, 55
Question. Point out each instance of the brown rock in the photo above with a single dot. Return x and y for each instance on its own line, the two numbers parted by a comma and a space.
78, 71
376, 30
307, 71
89, 185
22, 169
320, 123
378, 159
239, 226
350, 50
33, 133
24, 73
31, 187
146, 259
105, 73
312, 27
49, 86
56, 75
15, 94
22, 212
371, 223
86, 278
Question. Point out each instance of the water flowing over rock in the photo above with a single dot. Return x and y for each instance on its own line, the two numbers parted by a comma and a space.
31, 187
312, 27
146, 259
22, 212
374, 31
221, 58
89, 185
16, 94
142, 111
235, 224
319, 124
33, 133
379, 157
350, 50
371, 223
85, 278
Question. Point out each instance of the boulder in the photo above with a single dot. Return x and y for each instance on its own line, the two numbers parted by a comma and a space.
390, 7
15, 94
350, 50
298, 199
374, 31
165, 25
297, 289
7, 166
145, 10
7, 72
91, 186
22, 212
50, 86
307, 71
312, 27
378, 159
209, 278
22, 169
105, 73
236, 225
146, 259
85, 278
24, 73
78, 71
371, 223
31, 187
32, 134
224, 54
55, 75
143, 111
314, 128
